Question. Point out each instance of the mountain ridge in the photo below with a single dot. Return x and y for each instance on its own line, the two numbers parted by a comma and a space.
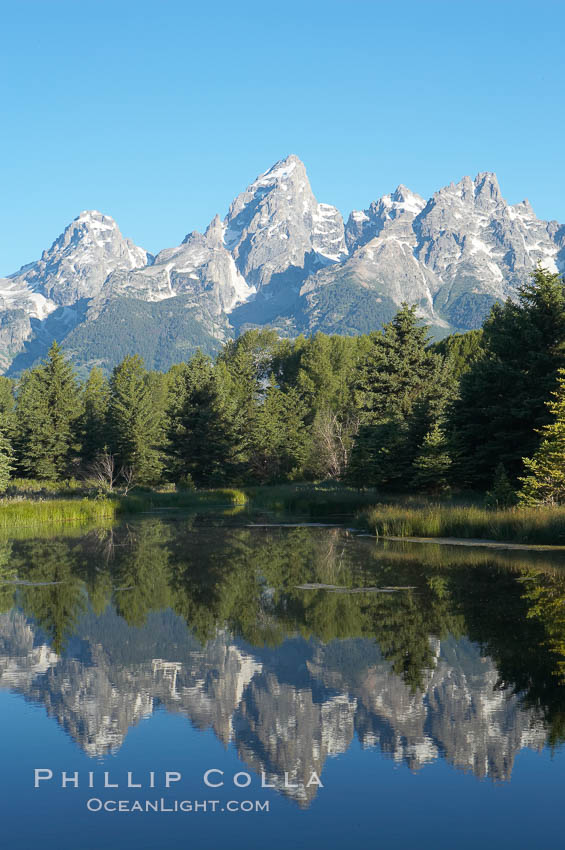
278, 258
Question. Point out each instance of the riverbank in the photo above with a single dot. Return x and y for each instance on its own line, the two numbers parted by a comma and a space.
510, 525
31, 504
50, 507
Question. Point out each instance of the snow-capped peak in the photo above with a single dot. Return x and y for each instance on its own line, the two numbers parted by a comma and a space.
279, 172
403, 198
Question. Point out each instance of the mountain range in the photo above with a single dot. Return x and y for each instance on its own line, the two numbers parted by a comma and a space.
285, 709
280, 259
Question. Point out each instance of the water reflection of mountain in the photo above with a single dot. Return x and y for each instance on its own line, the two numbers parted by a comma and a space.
286, 709
465, 662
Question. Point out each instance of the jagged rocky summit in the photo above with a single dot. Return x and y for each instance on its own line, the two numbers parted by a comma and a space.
280, 259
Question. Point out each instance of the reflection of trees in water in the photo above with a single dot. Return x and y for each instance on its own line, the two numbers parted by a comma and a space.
7, 576
59, 597
247, 580
516, 620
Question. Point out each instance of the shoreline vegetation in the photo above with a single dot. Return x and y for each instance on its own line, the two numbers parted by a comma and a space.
463, 438
32, 504
544, 526
60, 506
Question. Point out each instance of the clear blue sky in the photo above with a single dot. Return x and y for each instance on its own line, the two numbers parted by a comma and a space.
159, 113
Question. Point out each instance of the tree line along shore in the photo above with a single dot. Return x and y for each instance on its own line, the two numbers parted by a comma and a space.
467, 433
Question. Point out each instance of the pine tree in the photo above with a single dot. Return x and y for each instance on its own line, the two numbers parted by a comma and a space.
322, 369
7, 430
432, 462
47, 412
248, 359
397, 369
503, 396
7, 406
545, 483
402, 391
6, 461
94, 420
135, 426
279, 440
204, 433
502, 494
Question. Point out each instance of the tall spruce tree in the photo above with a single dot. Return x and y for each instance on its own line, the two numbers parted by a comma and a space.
135, 425
322, 368
545, 482
402, 391
432, 462
7, 406
7, 430
503, 396
6, 460
47, 413
94, 420
398, 368
249, 359
204, 441
279, 441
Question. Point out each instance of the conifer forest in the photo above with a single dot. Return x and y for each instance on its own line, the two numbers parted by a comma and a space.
481, 412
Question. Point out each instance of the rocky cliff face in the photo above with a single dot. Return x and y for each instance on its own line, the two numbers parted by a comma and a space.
277, 224
75, 266
280, 258
454, 256
282, 716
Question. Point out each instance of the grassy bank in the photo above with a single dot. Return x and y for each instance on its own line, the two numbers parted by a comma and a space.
398, 517
512, 525
26, 512
29, 503
310, 500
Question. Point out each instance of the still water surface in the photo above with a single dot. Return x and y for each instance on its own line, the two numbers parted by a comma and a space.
388, 695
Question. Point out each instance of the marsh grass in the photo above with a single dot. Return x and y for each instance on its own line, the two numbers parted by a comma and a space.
26, 512
513, 525
141, 501
313, 500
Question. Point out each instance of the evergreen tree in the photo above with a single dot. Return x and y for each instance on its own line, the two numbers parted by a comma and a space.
135, 426
47, 412
6, 461
401, 393
432, 462
279, 440
503, 396
502, 494
7, 406
322, 369
379, 457
204, 426
545, 483
94, 420
463, 350
397, 369
249, 360
7, 430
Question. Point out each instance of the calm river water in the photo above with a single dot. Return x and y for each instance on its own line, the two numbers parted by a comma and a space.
279, 687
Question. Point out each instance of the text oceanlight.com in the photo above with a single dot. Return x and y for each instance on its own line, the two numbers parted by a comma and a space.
185, 806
